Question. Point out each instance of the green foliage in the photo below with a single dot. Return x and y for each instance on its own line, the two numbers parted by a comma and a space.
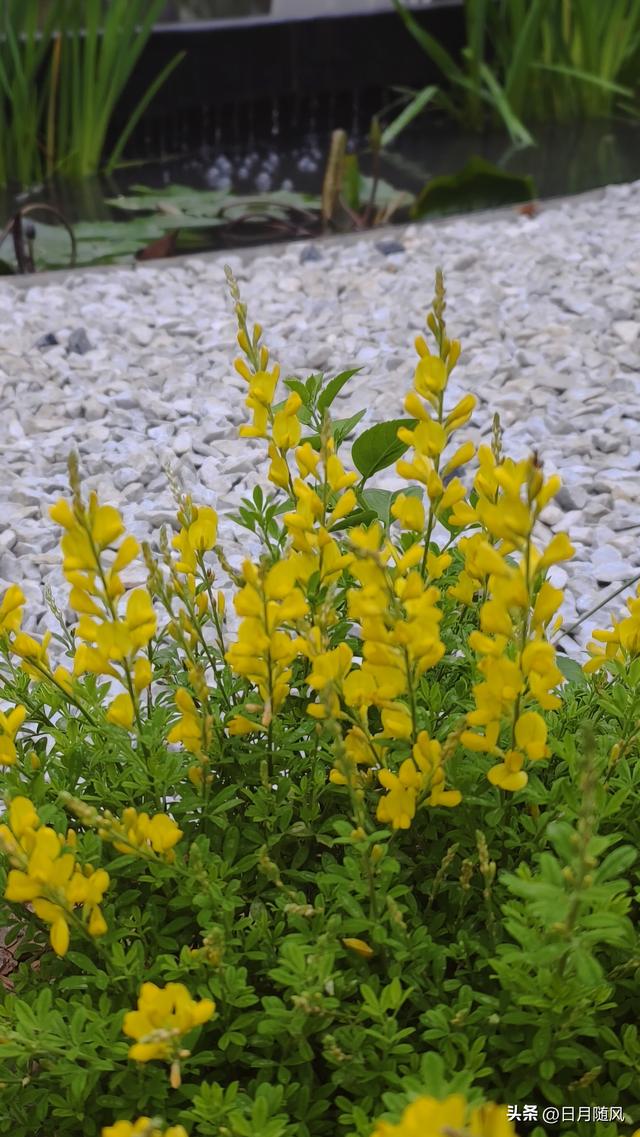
480, 185
61, 80
490, 950
527, 61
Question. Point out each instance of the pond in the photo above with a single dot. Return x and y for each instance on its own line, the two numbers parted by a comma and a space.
566, 160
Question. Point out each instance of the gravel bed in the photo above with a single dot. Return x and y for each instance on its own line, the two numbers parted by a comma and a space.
132, 367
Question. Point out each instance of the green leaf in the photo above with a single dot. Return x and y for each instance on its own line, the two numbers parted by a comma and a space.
341, 428
572, 670
480, 185
417, 104
334, 386
379, 446
358, 517
380, 501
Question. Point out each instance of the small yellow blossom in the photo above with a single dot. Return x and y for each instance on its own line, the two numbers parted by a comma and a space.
143, 1127
163, 1016
360, 947
428, 1117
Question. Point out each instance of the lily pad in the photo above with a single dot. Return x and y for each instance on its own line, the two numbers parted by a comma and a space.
480, 185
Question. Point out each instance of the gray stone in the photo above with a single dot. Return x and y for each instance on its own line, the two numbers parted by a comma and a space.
390, 246
627, 330
310, 254
78, 342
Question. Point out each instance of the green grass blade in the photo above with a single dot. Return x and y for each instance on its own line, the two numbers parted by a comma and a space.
517, 130
586, 77
140, 109
417, 104
429, 44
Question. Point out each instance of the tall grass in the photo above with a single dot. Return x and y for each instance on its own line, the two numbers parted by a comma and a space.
530, 60
61, 79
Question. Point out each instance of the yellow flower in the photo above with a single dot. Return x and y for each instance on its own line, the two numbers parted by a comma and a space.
139, 831
11, 606
121, 711
203, 530
10, 724
531, 735
360, 947
163, 1016
427, 1117
141, 619
142, 674
46, 875
143, 1127
409, 511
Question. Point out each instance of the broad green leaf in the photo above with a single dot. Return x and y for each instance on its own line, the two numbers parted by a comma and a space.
480, 185
572, 670
379, 446
334, 386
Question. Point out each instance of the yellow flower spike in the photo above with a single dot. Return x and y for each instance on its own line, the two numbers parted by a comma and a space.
142, 674
23, 817
531, 735
396, 722
141, 619
337, 477
460, 414
278, 469
547, 603
428, 1117
128, 551
33, 654
547, 491
430, 377
360, 947
495, 619
509, 775
163, 833
106, 526
10, 724
345, 505
143, 1127
453, 493
121, 711
163, 1015
558, 549
415, 407
203, 531
409, 511
11, 606
307, 460
81, 601
63, 514
459, 458
437, 564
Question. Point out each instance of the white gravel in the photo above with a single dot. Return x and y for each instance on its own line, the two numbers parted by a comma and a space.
133, 368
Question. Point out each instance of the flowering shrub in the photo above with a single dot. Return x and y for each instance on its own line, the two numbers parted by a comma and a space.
360, 862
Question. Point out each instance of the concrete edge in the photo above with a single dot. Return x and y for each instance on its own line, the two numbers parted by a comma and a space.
248, 254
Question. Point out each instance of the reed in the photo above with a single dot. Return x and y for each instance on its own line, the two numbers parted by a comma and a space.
63, 71
527, 61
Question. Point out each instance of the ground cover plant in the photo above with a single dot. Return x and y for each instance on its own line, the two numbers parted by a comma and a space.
361, 863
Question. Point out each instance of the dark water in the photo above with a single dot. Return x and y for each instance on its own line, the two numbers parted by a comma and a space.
567, 159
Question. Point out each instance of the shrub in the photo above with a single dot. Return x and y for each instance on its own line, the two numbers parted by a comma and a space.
361, 859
